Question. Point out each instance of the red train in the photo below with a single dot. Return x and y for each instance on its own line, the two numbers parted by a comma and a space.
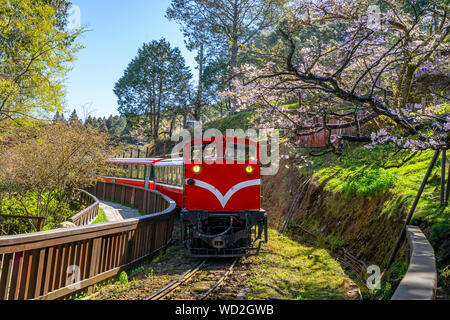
217, 186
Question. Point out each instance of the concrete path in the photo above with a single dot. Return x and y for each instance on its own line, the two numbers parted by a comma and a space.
117, 212
420, 280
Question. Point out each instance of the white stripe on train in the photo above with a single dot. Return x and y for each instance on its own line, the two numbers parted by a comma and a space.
223, 199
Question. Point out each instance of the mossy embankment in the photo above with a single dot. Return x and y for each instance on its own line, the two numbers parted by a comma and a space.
286, 269
352, 202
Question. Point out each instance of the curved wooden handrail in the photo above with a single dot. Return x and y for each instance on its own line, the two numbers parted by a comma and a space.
89, 214
53, 264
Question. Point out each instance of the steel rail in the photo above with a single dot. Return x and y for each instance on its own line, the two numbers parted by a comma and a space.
219, 282
163, 292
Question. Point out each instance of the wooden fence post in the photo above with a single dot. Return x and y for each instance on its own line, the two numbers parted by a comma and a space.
95, 258
133, 196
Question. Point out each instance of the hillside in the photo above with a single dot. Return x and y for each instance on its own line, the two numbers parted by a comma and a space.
351, 202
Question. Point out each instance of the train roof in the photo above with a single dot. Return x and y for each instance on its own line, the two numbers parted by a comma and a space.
154, 161
170, 162
134, 160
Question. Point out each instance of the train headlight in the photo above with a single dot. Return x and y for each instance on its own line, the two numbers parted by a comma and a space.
249, 169
197, 169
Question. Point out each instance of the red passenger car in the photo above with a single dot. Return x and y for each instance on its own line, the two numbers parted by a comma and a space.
217, 185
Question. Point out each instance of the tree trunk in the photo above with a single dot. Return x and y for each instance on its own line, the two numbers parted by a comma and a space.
172, 123
158, 115
198, 104
234, 54
185, 113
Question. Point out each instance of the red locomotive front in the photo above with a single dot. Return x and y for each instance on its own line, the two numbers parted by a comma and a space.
222, 213
218, 186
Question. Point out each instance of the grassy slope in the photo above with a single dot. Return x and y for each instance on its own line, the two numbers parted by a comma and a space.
353, 179
288, 270
407, 180
239, 120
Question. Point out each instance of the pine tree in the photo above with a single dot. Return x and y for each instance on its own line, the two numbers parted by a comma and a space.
74, 118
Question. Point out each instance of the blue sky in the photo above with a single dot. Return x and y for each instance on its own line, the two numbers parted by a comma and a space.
117, 29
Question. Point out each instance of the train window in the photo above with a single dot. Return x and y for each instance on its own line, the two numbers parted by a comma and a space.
206, 151
126, 170
172, 176
180, 176
118, 171
168, 175
163, 175
240, 152
141, 172
146, 172
176, 175
155, 173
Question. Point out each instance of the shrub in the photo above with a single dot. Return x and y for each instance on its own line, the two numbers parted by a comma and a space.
368, 182
42, 169
123, 278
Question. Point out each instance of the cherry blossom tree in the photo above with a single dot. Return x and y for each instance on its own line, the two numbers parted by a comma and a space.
340, 64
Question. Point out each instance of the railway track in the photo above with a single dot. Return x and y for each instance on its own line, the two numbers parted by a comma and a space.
202, 273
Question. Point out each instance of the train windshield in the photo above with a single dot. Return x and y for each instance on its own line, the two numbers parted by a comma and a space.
240, 152
206, 151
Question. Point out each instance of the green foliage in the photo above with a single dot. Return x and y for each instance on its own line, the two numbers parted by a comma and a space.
123, 278
60, 208
385, 292
286, 269
101, 218
35, 52
368, 182
396, 274
445, 277
41, 171
239, 120
160, 255
153, 87
371, 172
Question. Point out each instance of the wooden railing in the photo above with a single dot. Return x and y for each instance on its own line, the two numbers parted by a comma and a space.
53, 264
90, 213
17, 224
